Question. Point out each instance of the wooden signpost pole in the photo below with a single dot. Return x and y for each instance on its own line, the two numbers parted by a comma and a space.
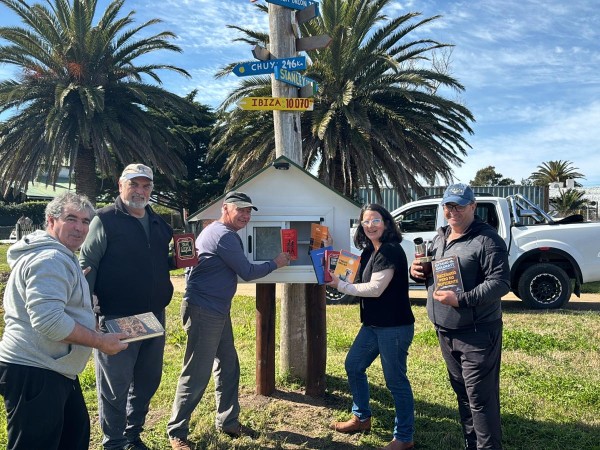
302, 355
288, 142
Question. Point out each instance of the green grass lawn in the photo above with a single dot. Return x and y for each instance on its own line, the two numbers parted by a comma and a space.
549, 387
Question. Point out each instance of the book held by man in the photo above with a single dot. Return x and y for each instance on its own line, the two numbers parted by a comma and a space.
138, 327
289, 242
347, 266
446, 274
185, 250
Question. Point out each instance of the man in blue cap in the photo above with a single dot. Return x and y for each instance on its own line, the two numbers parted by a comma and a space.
469, 323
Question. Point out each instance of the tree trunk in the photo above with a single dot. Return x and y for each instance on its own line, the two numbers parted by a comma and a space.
85, 173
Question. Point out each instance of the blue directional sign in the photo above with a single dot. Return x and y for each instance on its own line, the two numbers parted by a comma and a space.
262, 67
293, 78
293, 4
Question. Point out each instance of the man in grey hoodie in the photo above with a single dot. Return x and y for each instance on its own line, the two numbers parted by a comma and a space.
49, 333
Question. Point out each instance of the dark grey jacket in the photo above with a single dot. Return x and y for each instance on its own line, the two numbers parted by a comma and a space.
483, 260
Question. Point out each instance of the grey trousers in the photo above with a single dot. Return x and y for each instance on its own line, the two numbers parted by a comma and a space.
125, 383
209, 349
473, 362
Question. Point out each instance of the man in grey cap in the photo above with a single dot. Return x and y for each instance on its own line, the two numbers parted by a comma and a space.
469, 323
127, 250
211, 286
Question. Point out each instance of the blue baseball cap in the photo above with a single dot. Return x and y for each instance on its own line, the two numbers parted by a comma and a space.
459, 193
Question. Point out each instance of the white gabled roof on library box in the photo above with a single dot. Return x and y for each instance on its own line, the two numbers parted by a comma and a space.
286, 195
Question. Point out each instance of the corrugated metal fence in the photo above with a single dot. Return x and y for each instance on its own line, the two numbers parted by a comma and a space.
391, 200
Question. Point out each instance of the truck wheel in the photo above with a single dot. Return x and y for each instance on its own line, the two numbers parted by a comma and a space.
333, 296
545, 286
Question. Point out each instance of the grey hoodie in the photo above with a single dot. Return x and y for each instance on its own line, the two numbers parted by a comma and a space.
45, 295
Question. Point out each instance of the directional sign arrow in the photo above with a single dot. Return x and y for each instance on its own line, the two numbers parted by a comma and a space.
293, 78
293, 4
261, 53
262, 67
313, 42
310, 12
278, 103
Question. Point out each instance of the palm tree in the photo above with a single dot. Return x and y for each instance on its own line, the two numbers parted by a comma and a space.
377, 117
569, 201
555, 171
80, 99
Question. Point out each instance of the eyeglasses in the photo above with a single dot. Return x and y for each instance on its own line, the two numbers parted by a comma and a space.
456, 208
374, 222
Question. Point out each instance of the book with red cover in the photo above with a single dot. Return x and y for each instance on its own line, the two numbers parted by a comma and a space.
331, 258
185, 250
318, 233
289, 242
347, 266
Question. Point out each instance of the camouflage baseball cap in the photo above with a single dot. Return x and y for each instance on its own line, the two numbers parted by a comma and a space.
137, 170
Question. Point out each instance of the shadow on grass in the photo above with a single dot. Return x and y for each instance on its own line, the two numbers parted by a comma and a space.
438, 427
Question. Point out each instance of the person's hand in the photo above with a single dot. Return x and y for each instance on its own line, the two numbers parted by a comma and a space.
328, 241
416, 270
446, 298
110, 343
86, 270
283, 259
335, 281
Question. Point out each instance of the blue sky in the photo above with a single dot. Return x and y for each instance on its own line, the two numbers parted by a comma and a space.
531, 69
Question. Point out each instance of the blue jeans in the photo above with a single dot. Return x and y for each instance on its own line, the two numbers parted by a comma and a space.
392, 344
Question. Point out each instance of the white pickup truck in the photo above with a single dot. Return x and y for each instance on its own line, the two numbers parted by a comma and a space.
549, 259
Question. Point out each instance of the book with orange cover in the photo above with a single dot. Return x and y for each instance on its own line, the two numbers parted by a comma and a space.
185, 250
331, 258
347, 266
289, 242
318, 233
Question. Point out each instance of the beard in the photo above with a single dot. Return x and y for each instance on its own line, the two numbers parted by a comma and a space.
137, 203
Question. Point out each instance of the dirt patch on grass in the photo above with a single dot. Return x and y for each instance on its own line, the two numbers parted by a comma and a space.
303, 421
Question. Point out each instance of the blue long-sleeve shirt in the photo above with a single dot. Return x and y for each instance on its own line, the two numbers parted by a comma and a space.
221, 259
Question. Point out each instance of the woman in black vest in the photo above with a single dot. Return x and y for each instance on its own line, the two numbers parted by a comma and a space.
387, 324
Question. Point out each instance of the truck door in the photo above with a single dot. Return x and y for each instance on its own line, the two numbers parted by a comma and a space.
417, 221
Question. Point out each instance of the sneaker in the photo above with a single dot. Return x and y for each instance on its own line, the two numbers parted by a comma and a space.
138, 444
180, 444
238, 431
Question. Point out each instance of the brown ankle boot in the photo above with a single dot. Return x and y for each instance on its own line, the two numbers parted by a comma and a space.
398, 445
354, 425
